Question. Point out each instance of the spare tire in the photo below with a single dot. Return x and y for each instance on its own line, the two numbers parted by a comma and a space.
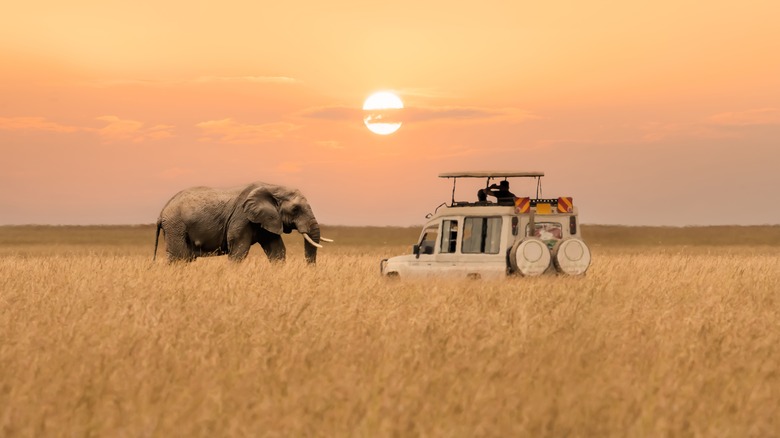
571, 256
529, 257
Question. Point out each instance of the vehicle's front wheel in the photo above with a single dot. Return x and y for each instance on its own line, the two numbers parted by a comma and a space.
529, 257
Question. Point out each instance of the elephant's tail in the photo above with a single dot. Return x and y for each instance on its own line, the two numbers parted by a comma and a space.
157, 238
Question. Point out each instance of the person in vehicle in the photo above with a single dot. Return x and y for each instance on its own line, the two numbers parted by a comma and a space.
500, 191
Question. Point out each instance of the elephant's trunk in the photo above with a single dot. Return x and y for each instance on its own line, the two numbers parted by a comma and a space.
310, 250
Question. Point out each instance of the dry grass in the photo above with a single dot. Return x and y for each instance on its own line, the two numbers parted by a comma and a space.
656, 340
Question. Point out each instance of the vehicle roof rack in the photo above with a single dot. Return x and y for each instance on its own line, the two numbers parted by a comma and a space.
490, 174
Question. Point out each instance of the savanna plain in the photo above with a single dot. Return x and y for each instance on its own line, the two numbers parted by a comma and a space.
672, 332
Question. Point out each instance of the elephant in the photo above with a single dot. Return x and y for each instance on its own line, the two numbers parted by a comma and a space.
205, 221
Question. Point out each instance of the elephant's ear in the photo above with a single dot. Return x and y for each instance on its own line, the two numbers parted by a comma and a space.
261, 208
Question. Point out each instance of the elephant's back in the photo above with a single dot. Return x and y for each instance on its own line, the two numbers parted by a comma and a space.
197, 204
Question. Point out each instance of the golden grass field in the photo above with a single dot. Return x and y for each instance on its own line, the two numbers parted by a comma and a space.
673, 332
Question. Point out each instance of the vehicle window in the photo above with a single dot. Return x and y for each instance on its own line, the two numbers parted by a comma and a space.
449, 236
481, 235
428, 242
550, 232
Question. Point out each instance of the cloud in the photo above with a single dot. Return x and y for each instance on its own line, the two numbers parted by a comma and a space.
419, 114
761, 116
35, 124
335, 113
656, 132
118, 129
105, 83
231, 131
251, 79
466, 114
719, 126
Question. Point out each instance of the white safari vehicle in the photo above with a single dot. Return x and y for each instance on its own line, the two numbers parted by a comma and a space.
504, 235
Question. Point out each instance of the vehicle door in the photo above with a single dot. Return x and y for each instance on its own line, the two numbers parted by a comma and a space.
422, 264
440, 258
447, 257
482, 253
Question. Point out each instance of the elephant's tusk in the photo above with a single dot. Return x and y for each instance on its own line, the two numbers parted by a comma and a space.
322, 239
309, 239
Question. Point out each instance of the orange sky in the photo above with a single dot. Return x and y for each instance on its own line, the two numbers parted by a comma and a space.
664, 114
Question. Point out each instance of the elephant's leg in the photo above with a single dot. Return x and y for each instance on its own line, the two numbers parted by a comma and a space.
273, 245
274, 248
239, 243
177, 246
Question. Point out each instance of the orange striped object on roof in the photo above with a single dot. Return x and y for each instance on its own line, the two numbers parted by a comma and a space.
522, 205
565, 204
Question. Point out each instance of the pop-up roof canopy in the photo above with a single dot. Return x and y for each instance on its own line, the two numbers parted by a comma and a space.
490, 174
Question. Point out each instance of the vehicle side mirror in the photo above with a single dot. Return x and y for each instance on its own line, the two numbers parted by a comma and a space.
572, 225
416, 250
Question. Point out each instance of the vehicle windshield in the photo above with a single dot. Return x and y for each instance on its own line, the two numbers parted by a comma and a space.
428, 241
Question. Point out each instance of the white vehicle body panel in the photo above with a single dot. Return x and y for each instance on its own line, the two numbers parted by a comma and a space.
486, 255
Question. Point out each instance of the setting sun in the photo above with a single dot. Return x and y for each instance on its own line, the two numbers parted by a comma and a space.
597, 98
379, 109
